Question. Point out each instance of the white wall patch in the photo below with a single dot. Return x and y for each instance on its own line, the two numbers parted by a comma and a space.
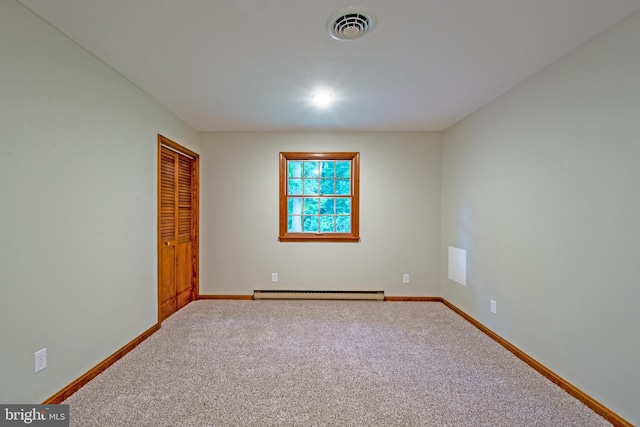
458, 265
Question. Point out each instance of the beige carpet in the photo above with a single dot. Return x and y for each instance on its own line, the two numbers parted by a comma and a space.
322, 363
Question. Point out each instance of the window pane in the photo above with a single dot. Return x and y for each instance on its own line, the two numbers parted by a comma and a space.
295, 169
294, 224
295, 186
327, 206
343, 169
343, 206
310, 224
343, 224
310, 186
310, 169
319, 197
294, 205
327, 169
343, 187
327, 224
311, 206
327, 186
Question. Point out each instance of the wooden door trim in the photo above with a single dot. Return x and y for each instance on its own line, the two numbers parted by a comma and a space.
195, 223
174, 146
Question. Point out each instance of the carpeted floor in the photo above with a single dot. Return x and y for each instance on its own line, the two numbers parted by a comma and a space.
322, 363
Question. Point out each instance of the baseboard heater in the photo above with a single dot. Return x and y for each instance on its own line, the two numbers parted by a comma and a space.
350, 295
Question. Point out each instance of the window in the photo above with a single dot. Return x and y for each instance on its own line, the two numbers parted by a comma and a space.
319, 197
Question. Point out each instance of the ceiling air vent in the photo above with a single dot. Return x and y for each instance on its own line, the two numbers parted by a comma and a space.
350, 23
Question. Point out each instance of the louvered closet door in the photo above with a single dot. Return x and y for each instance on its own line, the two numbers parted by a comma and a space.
184, 245
176, 284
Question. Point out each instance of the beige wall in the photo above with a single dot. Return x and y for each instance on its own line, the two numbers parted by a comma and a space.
78, 206
399, 221
541, 188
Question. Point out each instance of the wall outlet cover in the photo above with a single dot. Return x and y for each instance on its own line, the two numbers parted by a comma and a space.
40, 360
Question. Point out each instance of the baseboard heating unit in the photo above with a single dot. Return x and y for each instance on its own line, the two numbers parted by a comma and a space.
350, 295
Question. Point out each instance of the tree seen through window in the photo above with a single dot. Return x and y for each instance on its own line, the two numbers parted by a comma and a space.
320, 196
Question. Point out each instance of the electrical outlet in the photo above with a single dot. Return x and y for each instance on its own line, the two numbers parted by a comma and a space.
274, 277
493, 306
40, 360
405, 278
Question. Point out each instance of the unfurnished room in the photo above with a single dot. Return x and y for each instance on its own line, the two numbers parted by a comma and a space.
297, 213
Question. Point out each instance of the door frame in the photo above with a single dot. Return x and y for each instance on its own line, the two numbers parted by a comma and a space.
195, 224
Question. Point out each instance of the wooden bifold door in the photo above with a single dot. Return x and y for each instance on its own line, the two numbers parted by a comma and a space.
177, 227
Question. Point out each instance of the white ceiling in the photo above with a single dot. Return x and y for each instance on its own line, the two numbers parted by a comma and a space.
253, 64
